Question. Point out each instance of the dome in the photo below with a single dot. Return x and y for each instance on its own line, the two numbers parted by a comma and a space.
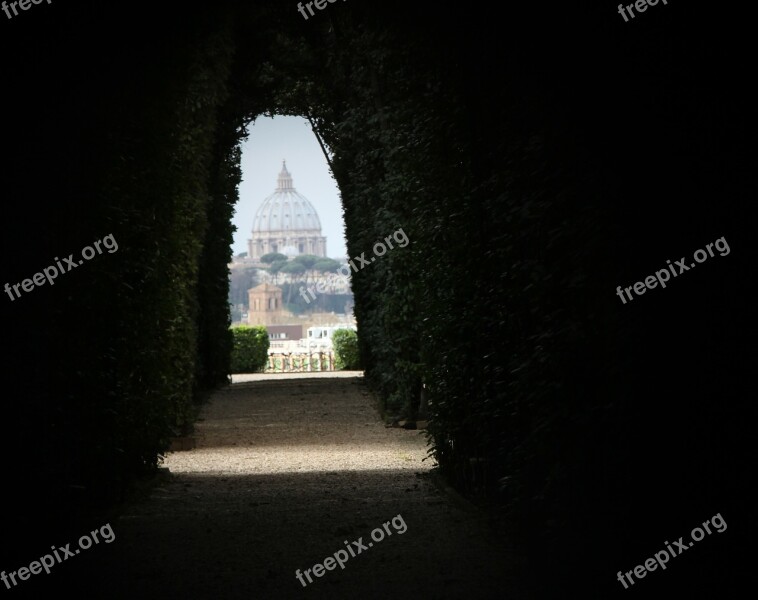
286, 223
285, 210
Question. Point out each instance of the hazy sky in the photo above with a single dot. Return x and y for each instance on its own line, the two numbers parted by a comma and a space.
292, 139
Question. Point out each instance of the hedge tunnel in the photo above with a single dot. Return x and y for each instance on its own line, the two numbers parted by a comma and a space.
536, 160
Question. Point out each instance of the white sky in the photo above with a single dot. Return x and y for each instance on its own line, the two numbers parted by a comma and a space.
292, 139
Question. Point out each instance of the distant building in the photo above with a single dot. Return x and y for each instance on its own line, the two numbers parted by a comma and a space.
317, 334
265, 306
286, 222
284, 332
318, 338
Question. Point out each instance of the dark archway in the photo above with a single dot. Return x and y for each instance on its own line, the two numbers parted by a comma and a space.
535, 163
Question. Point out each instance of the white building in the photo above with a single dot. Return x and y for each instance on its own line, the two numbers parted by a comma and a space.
286, 222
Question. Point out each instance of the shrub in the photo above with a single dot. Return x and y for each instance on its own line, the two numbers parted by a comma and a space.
345, 342
250, 351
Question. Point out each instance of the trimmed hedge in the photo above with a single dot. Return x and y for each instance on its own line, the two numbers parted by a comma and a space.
250, 349
347, 357
481, 142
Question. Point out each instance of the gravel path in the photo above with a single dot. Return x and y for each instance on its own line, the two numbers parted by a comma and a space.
286, 470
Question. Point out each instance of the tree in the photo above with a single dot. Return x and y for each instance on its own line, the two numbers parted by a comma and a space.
275, 267
240, 281
326, 265
345, 342
250, 351
273, 257
307, 260
292, 268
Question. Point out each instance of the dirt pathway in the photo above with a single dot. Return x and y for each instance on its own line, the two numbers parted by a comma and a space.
285, 472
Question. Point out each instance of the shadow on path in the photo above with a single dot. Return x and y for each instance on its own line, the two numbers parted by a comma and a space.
284, 473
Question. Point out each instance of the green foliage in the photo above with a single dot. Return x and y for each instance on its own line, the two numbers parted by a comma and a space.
499, 308
473, 184
326, 265
145, 335
307, 260
250, 350
273, 257
241, 280
293, 268
277, 266
345, 343
482, 307
328, 303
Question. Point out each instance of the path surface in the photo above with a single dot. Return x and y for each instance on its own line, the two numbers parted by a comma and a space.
286, 470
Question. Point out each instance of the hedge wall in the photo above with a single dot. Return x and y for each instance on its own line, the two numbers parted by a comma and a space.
250, 349
534, 162
345, 342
